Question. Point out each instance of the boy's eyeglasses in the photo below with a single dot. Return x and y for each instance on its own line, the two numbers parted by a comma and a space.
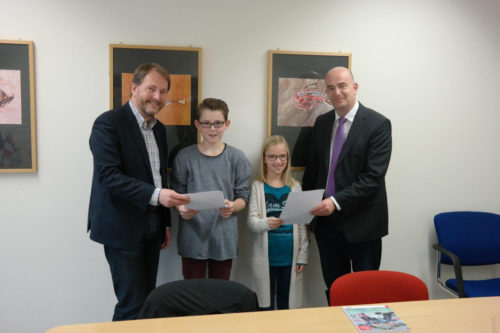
283, 157
216, 124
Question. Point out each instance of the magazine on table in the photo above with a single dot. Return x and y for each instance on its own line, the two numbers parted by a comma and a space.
375, 318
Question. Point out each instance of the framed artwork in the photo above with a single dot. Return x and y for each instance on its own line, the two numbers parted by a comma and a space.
296, 96
184, 67
17, 107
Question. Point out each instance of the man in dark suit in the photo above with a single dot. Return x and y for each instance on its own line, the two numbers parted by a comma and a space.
128, 211
349, 153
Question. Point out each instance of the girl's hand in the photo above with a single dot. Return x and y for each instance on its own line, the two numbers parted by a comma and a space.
227, 211
186, 214
274, 223
300, 268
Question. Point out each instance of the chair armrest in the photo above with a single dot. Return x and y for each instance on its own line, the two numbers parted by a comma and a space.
457, 266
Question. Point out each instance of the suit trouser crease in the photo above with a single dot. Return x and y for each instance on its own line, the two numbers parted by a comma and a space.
134, 271
338, 256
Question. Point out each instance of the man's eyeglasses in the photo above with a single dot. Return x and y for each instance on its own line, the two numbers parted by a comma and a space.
283, 157
216, 124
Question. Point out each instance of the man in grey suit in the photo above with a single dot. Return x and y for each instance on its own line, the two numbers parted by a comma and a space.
349, 153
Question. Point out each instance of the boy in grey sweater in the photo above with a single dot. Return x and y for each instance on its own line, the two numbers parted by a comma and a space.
209, 238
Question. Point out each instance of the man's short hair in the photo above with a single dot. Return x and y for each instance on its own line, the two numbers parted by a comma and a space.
143, 70
213, 104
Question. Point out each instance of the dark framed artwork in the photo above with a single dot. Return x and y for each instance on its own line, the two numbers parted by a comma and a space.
17, 107
296, 95
184, 66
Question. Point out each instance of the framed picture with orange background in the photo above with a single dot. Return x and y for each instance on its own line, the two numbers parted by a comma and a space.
184, 67
17, 107
296, 96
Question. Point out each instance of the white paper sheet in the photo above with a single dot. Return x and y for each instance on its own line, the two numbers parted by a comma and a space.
206, 200
298, 206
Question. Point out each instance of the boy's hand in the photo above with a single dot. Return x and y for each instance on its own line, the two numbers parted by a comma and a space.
227, 211
185, 213
274, 223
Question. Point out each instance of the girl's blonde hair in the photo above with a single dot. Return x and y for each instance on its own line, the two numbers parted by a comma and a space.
272, 141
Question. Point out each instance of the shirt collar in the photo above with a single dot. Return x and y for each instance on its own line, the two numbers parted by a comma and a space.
140, 119
350, 115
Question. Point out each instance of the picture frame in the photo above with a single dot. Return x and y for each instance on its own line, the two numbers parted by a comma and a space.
17, 107
184, 67
296, 96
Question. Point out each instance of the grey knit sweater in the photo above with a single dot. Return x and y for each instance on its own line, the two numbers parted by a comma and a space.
208, 235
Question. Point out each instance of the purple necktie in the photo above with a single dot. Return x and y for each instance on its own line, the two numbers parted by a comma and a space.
337, 148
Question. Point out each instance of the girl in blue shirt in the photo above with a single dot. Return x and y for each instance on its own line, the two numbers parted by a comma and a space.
279, 252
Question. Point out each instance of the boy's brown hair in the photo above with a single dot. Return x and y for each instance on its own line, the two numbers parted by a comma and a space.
212, 104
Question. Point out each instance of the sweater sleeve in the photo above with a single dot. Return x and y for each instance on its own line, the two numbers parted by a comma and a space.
256, 222
243, 172
303, 245
180, 173
302, 257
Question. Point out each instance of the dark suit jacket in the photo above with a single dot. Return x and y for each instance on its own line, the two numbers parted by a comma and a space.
122, 183
359, 176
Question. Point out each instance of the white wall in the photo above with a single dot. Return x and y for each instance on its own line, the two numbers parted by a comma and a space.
431, 66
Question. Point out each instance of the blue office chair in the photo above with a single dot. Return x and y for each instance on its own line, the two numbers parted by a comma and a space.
468, 239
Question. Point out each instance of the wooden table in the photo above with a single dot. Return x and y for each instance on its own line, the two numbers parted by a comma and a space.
469, 315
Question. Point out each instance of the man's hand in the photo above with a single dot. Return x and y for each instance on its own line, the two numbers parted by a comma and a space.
170, 198
168, 237
227, 211
325, 208
185, 213
274, 223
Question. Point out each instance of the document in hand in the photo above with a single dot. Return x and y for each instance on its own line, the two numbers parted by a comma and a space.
206, 200
298, 206
375, 318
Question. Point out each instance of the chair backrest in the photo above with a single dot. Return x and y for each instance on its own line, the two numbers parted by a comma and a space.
368, 287
474, 237
198, 297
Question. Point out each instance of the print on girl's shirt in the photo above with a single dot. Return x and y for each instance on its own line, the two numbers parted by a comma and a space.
280, 240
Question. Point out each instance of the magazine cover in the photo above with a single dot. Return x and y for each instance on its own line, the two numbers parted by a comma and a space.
376, 318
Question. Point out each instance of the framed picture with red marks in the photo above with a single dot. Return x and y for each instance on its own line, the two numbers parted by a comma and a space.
17, 107
184, 67
296, 95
